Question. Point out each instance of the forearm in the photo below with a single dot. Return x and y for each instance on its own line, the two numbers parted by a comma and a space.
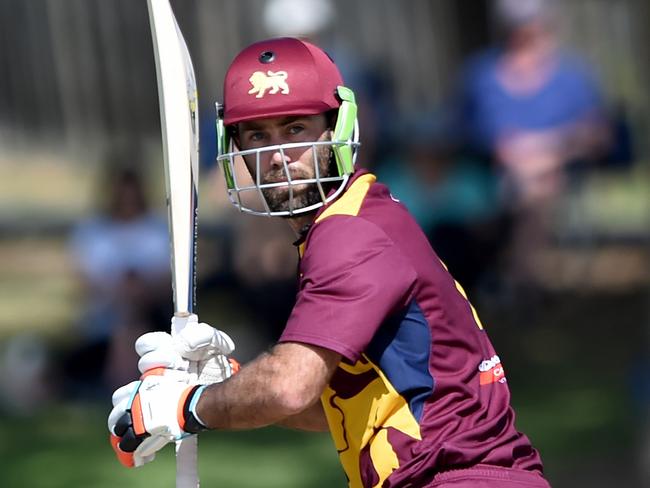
246, 400
311, 419
277, 385
591, 138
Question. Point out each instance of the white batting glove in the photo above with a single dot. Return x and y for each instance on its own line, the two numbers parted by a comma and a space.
197, 352
144, 416
198, 340
150, 413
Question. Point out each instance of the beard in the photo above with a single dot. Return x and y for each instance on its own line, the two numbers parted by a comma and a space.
302, 195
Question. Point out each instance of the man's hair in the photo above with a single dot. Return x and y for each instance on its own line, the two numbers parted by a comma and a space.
508, 15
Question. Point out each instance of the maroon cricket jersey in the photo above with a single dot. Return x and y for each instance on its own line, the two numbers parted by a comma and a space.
420, 389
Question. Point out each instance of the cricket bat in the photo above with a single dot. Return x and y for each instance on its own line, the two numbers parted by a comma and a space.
178, 102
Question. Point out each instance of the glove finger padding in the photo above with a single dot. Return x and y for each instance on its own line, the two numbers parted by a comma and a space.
192, 342
158, 355
198, 341
149, 414
124, 392
134, 452
124, 439
164, 357
214, 370
151, 341
125, 458
146, 451
169, 363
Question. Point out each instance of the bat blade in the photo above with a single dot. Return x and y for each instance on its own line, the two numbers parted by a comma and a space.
179, 126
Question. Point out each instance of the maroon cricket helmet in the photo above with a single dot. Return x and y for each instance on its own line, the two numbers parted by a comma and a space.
280, 77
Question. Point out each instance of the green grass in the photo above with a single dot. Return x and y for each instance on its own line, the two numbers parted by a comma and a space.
570, 361
68, 447
569, 379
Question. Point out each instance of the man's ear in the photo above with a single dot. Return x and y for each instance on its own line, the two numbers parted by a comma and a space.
332, 116
233, 134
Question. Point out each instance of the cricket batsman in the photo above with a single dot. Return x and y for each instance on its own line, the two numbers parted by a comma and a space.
382, 348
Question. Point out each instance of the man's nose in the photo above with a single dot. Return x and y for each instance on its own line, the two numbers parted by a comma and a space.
277, 157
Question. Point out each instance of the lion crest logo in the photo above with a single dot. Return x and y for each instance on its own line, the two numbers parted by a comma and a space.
273, 81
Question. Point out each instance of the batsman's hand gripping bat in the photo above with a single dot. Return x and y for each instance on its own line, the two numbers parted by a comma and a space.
179, 124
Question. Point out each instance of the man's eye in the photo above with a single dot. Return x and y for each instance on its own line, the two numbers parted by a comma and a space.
256, 136
296, 129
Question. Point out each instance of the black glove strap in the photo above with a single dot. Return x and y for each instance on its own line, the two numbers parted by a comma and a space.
192, 424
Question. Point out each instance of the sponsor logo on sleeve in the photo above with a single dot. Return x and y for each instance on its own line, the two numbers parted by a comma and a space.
491, 371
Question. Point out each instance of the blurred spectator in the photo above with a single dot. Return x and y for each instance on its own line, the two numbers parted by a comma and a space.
121, 256
452, 197
26, 382
534, 110
265, 269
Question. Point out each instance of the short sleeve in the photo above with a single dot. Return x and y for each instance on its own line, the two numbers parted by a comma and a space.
353, 277
586, 90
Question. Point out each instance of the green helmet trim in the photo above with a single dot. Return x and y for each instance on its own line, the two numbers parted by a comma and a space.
344, 130
223, 143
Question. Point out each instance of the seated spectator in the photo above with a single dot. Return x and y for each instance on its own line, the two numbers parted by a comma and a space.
534, 110
121, 257
529, 103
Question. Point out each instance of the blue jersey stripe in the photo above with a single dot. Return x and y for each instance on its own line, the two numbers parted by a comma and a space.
401, 348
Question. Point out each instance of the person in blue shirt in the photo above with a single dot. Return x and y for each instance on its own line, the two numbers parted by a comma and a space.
534, 110
528, 95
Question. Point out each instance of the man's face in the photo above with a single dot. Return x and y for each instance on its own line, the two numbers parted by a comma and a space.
299, 161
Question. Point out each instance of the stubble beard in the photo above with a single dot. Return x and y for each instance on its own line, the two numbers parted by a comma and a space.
281, 199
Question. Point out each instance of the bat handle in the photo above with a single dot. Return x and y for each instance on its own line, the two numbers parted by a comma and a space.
187, 475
